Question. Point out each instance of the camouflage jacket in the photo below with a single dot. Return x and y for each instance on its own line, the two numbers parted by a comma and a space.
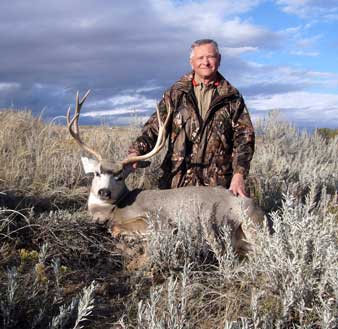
201, 152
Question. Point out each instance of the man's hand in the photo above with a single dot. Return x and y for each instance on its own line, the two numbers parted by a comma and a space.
133, 165
237, 186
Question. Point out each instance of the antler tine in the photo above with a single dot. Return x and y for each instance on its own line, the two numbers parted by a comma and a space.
163, 127
161, 138
73, 125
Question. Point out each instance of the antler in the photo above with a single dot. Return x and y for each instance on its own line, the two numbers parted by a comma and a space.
73, 126
161, 138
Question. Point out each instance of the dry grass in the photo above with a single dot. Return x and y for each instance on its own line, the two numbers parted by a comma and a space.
57, 270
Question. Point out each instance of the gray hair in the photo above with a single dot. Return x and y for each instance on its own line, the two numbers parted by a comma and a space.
201, 42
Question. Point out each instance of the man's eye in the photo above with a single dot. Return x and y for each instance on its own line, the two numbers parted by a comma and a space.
97, 174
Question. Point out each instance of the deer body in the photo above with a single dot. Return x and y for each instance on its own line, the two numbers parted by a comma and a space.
131, 214
138, 204
127, 212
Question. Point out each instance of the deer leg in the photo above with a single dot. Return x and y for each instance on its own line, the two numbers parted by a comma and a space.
240, 243
129, 226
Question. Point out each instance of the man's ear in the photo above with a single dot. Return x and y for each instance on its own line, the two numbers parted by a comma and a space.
90, 165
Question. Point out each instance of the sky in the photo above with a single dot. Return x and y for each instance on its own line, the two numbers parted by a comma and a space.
280, 54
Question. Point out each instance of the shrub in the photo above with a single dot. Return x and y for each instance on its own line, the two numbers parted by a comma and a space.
50, 253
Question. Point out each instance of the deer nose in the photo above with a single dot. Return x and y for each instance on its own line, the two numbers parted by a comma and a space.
104, 193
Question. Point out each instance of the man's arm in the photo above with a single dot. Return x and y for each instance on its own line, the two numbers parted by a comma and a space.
147, 140
244, 145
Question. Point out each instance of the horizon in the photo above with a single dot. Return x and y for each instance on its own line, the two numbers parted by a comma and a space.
280, 54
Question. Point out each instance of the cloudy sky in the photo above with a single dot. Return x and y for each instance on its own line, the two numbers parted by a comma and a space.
281, 54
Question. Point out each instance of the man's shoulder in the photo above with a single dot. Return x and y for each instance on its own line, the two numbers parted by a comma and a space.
225, 88
182, 85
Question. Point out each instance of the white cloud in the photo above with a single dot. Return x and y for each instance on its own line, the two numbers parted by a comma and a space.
305, 53
124, 99
304, 108
122, 104
216, 18
147, 89
293, 76
294, 29
186, 10
113, 112
237, 51
301, 42
8, 86
327, 9
308, 42
117, 100
301, 100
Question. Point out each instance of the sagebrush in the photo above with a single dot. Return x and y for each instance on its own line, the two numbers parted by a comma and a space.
58, 270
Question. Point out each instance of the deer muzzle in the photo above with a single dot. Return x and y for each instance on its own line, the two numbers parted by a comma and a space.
104, 194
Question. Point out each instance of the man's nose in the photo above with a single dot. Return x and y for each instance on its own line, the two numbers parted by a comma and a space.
205, 61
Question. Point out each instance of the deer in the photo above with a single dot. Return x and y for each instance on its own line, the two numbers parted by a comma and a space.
126, 212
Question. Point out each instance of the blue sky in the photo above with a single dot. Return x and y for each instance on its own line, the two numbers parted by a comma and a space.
281, 54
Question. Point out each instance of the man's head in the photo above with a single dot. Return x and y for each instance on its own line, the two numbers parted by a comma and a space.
205, 58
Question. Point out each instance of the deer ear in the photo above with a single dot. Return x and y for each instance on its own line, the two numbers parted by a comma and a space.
89, 165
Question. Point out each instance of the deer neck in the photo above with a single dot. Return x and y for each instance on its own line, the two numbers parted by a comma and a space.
124, 194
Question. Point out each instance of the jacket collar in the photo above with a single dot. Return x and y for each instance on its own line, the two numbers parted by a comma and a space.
224, 88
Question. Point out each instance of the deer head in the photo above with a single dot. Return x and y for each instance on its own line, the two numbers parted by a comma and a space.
108, 184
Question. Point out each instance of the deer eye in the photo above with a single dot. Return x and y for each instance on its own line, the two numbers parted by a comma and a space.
118, 178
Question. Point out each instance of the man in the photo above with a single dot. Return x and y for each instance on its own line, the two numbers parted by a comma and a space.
211, 137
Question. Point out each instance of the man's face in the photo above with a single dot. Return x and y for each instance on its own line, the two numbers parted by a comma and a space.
205, 61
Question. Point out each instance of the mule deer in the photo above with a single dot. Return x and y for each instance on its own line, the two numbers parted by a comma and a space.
126, 211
